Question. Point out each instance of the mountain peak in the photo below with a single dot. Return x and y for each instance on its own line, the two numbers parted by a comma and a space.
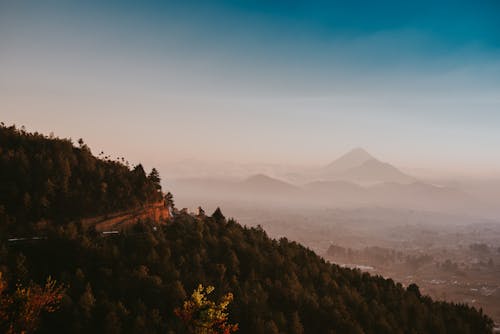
359, 153
361, 167
351, 159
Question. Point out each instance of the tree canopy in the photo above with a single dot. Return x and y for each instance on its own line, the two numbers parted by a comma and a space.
49, 179
132, 282
204, 316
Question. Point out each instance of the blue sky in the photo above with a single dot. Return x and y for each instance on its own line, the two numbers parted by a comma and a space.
278, 81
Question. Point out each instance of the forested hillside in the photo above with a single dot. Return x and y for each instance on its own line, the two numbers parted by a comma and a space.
133, 281
49, 179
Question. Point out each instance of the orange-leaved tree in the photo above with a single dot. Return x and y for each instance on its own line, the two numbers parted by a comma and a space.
203, 316
20, 311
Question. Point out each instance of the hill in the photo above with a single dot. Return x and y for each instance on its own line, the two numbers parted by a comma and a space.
256, 188
131, 282
264, 183
47, 179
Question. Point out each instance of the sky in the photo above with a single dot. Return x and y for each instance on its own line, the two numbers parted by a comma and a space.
289, 82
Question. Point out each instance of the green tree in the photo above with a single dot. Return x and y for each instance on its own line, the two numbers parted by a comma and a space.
154, 177
87, 301
203, 316
295, 324
169, 200
413, 288
218, 216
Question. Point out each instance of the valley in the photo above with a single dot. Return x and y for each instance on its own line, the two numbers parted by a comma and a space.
360, 212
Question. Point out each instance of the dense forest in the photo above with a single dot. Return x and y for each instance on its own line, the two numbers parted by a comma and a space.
133, 282
49, 179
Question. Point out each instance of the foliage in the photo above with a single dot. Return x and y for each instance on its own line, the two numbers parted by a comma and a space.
133, 281
169, 200
49, 179
217, 215
203, 316
21, 310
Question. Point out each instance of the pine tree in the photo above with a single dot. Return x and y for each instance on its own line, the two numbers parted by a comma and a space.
218, 216
154, 177
169, 201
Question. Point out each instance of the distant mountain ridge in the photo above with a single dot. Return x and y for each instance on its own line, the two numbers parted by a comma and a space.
262, 182
356, 179
260, 187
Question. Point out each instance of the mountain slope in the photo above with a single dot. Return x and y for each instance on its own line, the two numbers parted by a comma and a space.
49, 179
374, 171
134, 280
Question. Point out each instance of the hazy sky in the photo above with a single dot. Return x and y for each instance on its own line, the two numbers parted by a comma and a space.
259, 81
